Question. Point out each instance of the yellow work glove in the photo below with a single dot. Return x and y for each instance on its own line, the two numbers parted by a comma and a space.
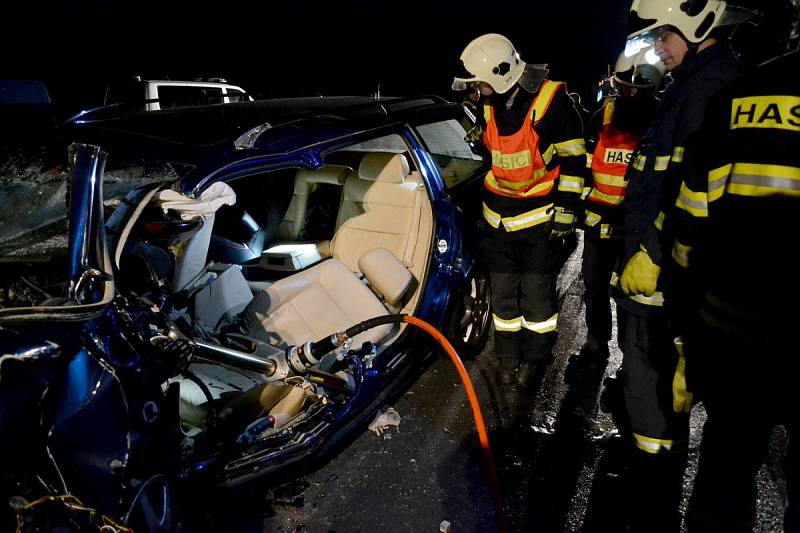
640, 275
474, 135
682, 399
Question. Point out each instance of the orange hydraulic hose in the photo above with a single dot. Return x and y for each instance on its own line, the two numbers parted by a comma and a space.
483, 436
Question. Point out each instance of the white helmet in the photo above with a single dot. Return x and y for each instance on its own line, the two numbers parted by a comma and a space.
694, 19
492, 59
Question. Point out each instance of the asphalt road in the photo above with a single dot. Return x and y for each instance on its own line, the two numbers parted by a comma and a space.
429, 470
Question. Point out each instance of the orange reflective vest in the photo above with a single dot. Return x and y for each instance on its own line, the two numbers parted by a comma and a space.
610, 161
519, 167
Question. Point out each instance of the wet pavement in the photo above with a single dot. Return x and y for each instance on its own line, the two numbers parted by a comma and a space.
429, 470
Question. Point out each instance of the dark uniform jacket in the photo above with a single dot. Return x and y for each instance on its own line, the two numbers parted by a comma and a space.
738, 211
656, 172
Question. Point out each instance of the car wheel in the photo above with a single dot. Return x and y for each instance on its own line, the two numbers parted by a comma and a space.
471, 319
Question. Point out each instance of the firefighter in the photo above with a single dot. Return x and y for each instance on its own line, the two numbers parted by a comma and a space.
736, 224
690, 37
612, 137
531, 193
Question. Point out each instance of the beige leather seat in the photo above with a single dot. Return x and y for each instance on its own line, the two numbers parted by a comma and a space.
330, 297
381, 208
311, 305
305, 182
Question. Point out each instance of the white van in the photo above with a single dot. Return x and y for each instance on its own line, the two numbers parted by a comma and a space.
155, 95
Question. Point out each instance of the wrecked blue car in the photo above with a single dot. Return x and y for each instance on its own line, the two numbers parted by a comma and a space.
175, 295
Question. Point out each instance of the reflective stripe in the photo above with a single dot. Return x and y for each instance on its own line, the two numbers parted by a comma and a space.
611, 199
543, 99
605, 231
572, 147
528, 219
677, 154
610, 179
570, 184
585, 192
519, 222
719, 323
659, 221
728, 317
662, 163
491, 217
592, 218
517, 185
680, 253
563, 216
541, 189
717, 180
487, 113
694, 203
749, 179
589, 158
651, 445
541, 327
753, 179
515, 324
640, 162
608, 113
730, 308
548, 154
656, 300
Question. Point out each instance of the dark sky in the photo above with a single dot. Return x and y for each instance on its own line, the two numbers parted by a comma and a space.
282, 48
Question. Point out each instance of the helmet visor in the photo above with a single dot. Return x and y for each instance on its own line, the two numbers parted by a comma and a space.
629, 90
459, 85
463, 77
533, 76
642, 70
645, 43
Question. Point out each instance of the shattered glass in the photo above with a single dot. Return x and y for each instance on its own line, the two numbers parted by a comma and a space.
32, 207
33, 201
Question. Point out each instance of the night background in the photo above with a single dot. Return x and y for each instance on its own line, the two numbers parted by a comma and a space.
299, 48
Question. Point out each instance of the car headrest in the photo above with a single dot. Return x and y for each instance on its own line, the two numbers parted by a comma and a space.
383, 166
330, 174
387, 274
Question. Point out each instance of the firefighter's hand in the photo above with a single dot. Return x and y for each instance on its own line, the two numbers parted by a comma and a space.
640, 275
474, 135
563, 223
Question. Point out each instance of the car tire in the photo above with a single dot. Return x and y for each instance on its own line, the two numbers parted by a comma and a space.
471, 317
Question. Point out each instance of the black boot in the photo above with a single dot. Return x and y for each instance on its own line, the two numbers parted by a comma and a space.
528, 374
654, 488
586, 363
507, 371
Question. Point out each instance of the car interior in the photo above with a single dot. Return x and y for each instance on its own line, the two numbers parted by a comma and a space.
300, 255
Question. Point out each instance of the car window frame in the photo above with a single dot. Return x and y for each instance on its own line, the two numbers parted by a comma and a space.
441, 116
